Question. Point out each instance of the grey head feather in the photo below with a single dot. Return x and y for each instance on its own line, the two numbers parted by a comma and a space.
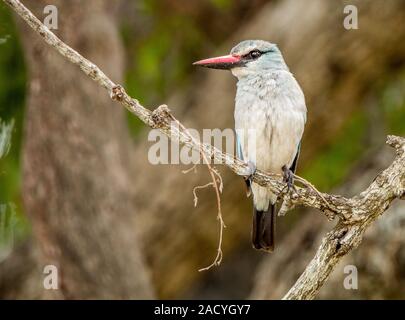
259, 56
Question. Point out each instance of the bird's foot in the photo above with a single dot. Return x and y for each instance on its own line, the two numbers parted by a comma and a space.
288, 178
249, 172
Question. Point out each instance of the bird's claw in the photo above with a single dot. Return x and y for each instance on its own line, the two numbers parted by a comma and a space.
249, 172
288, 178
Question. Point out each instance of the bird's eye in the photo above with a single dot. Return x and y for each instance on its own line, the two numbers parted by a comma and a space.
254, 54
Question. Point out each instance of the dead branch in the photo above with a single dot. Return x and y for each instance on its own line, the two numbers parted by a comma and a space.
355, 214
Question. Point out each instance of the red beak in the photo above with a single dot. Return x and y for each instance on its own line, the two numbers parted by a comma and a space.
224, 62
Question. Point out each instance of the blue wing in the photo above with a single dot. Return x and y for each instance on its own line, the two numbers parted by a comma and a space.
239, 154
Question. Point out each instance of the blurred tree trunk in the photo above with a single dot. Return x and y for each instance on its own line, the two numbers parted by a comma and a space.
77, 172
379, 260
336, 68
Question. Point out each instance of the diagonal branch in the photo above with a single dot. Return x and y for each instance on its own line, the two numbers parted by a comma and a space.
355, 214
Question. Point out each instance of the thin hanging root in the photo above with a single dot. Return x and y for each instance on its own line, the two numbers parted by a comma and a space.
218, 258
197, 188
218, 186
220, 182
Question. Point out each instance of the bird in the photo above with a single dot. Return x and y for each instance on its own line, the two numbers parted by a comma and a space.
270, 115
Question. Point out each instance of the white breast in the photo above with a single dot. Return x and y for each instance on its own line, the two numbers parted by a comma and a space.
270, 116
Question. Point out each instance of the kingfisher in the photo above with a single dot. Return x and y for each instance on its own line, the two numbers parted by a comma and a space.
270, 116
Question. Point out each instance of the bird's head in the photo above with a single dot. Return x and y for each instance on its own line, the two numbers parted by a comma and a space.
247, 58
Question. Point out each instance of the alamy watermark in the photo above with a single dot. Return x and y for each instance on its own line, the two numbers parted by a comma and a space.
351, 20
350, 281
165, 150
51, 277
51, 20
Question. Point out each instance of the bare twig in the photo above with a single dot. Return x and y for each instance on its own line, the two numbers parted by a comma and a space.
355, 214
310, 185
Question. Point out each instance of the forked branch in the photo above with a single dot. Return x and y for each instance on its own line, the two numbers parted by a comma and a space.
355, 214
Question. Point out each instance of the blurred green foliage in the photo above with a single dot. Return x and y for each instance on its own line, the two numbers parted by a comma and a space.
333, 164
12, 100
222, 4
159, 62
336, 160
392, 102
162, 39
